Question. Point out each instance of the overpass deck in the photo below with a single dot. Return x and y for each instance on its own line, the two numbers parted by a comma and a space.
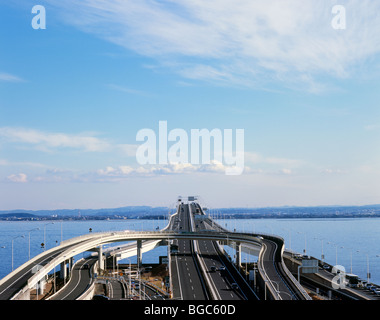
23, 278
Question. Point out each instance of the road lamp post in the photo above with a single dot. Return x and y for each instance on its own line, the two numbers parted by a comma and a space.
29, 241
61, 231
12, 246
368, 274
130, 278
336, 252
322, 254
290, 238
367, 258
350, 258
44, 246
304, 250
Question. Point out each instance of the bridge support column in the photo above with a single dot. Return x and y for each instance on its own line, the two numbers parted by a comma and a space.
63, 270
100, 258
238, 253
71, 264
41, 286
139, 259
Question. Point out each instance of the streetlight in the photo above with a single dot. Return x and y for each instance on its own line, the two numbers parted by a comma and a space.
44, 246
290, 237
336, 252
29, 241
61, 231
130, 280
322, 255
368, 274
299, 232
350, 258
12, 246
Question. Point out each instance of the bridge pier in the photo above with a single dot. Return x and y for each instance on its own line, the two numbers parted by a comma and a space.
100, 258
139, 254
238, 253
40, 288
63, 270
71, 264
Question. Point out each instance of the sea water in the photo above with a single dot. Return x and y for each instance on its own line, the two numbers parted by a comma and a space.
351, 242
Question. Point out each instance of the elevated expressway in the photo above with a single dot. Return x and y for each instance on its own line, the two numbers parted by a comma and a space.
276, 279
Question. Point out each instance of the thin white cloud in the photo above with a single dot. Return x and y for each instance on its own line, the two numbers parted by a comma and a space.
125, 89
257, 158
53, 140
128, 150
119, 173
18, 178
371, 127
7, 77
333, 171
154, 170
47, 141
126, 172
238, 41
4, 162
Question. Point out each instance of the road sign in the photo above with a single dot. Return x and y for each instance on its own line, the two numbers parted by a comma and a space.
309, 266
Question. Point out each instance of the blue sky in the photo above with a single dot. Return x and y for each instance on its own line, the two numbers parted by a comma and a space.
74, 95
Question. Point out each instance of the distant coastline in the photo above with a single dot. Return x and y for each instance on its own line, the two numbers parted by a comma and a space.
146, 212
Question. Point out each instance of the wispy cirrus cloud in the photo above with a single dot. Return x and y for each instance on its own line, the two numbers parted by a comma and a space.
126, 172
125, 89
243, 42
257, 158
48, 141
7, 77
121, 173
158, 170
18, 178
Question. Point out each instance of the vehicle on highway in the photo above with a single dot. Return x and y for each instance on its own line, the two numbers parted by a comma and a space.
212, 268
327, 267
362, 283
352, 280
369, 286
374, 288
222, 268
234, 286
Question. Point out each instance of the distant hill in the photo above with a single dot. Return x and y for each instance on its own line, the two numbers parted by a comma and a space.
239, 213
131, 211
16, 215
303, 212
